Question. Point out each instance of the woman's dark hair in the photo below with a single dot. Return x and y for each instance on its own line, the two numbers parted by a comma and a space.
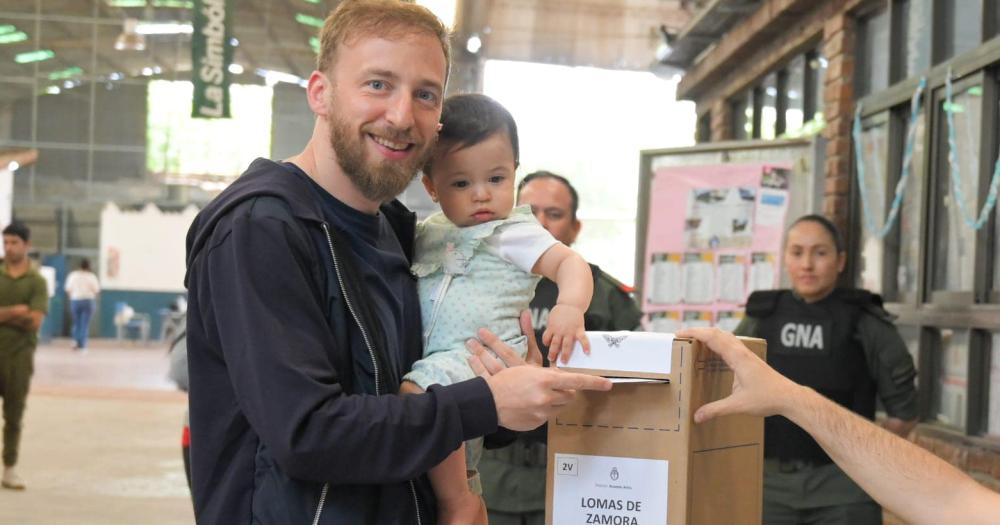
468, 119
85, 264
838, 240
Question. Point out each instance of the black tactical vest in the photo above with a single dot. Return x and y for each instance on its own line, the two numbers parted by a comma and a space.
815, 345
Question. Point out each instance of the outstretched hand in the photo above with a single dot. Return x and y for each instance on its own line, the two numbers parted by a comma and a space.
758, 390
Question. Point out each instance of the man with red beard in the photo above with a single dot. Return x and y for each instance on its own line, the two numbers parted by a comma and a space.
303, 314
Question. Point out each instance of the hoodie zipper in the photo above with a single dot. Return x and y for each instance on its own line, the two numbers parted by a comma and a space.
371, 353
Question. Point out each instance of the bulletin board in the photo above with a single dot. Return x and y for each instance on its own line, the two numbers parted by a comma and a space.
710, 227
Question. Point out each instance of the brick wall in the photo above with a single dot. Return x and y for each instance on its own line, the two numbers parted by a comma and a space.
839, 34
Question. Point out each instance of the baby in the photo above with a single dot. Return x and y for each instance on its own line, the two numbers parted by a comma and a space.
478, 262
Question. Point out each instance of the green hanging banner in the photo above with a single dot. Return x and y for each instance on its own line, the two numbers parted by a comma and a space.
211, 54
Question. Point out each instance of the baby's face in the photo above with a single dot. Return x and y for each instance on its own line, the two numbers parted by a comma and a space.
474, 184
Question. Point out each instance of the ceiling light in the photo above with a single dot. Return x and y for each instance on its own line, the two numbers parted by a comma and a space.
130, 39
235, 42
10, 38
474, 43
53, 90
235, 69
34, 56
180, 4
116, 76
308, 20
68, 84
13, 166
164, 28
314, 43
147, 71
157, 70
127, 3
273, 77
7, 28
65, 73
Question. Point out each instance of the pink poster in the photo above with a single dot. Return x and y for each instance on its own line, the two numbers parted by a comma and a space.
713, 236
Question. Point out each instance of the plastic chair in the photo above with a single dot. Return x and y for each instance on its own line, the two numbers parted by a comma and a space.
128, 321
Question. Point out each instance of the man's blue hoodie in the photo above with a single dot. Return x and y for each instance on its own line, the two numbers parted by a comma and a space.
283, 429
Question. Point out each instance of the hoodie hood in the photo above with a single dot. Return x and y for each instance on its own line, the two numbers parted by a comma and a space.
263, 177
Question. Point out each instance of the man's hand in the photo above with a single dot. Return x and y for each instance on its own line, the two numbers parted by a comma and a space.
527, 396
758, 390
497, 355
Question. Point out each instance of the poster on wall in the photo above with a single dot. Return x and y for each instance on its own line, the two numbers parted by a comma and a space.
713, 236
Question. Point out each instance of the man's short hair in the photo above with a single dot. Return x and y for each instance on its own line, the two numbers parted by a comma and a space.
574, 198
353, 19
19, 229
468, 119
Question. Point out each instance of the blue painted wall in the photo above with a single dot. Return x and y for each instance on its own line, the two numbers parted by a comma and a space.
55, 320
152, 303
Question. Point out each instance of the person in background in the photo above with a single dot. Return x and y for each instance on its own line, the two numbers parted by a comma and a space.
82, 287
24, 301
513, 476
841, 343
915, 485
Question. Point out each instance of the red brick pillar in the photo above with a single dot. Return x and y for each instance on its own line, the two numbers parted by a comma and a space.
721, 121
838, 103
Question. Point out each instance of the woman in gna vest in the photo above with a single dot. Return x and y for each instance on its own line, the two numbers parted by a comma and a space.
841, 343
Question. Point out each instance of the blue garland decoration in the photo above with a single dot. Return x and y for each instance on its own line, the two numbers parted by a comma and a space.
991, 198
904, 177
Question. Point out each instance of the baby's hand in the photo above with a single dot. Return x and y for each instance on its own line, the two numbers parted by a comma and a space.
564, 328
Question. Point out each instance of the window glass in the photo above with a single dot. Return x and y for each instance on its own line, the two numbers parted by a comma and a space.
916, 27
953, 255
796, 94
950, 397
743, 116
874, 154
911, 336
817, 70
963, 28
874, 53
769, 108
910, 215
993, 421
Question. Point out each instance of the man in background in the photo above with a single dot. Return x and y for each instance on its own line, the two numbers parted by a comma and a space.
24, 300
514, 476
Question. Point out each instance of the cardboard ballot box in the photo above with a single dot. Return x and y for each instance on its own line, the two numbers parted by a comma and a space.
635, 456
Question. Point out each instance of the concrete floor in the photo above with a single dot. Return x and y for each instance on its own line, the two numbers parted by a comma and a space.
101, 443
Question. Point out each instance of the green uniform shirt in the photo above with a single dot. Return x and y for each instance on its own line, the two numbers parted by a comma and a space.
29, 289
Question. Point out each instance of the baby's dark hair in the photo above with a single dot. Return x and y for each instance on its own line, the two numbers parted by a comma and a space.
468, 119
827, 224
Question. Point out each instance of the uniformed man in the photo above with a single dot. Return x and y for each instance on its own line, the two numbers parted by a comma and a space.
514, 476
841, 343
24, 300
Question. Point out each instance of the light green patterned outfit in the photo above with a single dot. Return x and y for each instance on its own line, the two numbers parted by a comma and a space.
464, 285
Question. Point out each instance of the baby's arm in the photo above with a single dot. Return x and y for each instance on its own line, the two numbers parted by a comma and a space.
576, 288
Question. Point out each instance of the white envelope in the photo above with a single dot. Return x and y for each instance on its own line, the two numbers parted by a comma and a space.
635, 354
